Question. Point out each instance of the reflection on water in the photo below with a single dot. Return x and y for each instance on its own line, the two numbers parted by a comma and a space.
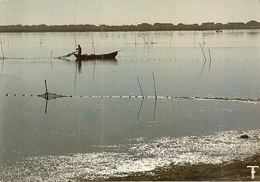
79, 63
183, 90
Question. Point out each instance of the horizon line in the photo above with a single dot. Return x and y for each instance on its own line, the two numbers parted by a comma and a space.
127, 24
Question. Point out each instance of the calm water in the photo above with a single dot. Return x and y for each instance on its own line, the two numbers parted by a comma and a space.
32, 127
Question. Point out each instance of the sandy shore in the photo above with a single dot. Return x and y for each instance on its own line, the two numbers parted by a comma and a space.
222, 156
235, 170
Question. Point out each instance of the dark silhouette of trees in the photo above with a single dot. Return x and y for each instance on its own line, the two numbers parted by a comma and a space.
140, 27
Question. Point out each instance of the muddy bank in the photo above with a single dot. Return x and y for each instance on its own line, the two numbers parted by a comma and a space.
224, 155
227, 171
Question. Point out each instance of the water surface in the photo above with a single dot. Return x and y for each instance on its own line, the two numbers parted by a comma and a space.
89, 121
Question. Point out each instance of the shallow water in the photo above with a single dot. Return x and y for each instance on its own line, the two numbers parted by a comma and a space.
137, 155
80, 124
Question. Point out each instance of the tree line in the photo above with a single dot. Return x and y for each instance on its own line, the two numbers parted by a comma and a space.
140, 27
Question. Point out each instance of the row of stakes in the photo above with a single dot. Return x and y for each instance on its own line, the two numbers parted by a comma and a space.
48, 96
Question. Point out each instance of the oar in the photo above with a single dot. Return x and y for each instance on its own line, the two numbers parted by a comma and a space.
70, 54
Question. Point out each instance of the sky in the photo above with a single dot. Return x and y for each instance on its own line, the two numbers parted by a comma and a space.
126, 12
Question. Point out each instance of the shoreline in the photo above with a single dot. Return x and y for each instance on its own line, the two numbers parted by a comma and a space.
236, 170
119, 30
222, 156
218, 27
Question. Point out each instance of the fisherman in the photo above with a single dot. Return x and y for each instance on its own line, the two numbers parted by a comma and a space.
79, 50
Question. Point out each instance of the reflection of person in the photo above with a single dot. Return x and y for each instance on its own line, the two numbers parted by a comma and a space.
79, 50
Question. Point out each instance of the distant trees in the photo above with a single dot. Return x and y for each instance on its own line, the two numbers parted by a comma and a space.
253, 24
140, 27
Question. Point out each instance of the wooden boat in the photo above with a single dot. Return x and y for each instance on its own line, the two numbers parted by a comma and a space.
94, 56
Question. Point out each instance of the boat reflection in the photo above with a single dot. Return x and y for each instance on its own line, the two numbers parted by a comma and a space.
79, 63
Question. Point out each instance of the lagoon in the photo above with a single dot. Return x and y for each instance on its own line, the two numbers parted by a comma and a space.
104, 122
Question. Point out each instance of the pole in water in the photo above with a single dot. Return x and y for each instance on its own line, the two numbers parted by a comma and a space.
46, 86
93, 44
46, 94
140, 86
154, 87
209, 60
2, 49
75, 40
154, 110
209, 55
203, 52
140, 109
51, 61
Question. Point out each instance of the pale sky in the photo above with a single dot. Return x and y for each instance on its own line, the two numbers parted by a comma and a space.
126, 12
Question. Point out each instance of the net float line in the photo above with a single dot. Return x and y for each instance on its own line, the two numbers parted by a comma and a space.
50, 96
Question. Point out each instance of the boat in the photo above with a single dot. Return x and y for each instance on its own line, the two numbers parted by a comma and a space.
108, 56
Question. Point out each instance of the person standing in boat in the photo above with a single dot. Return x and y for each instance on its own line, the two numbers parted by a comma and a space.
79, 50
